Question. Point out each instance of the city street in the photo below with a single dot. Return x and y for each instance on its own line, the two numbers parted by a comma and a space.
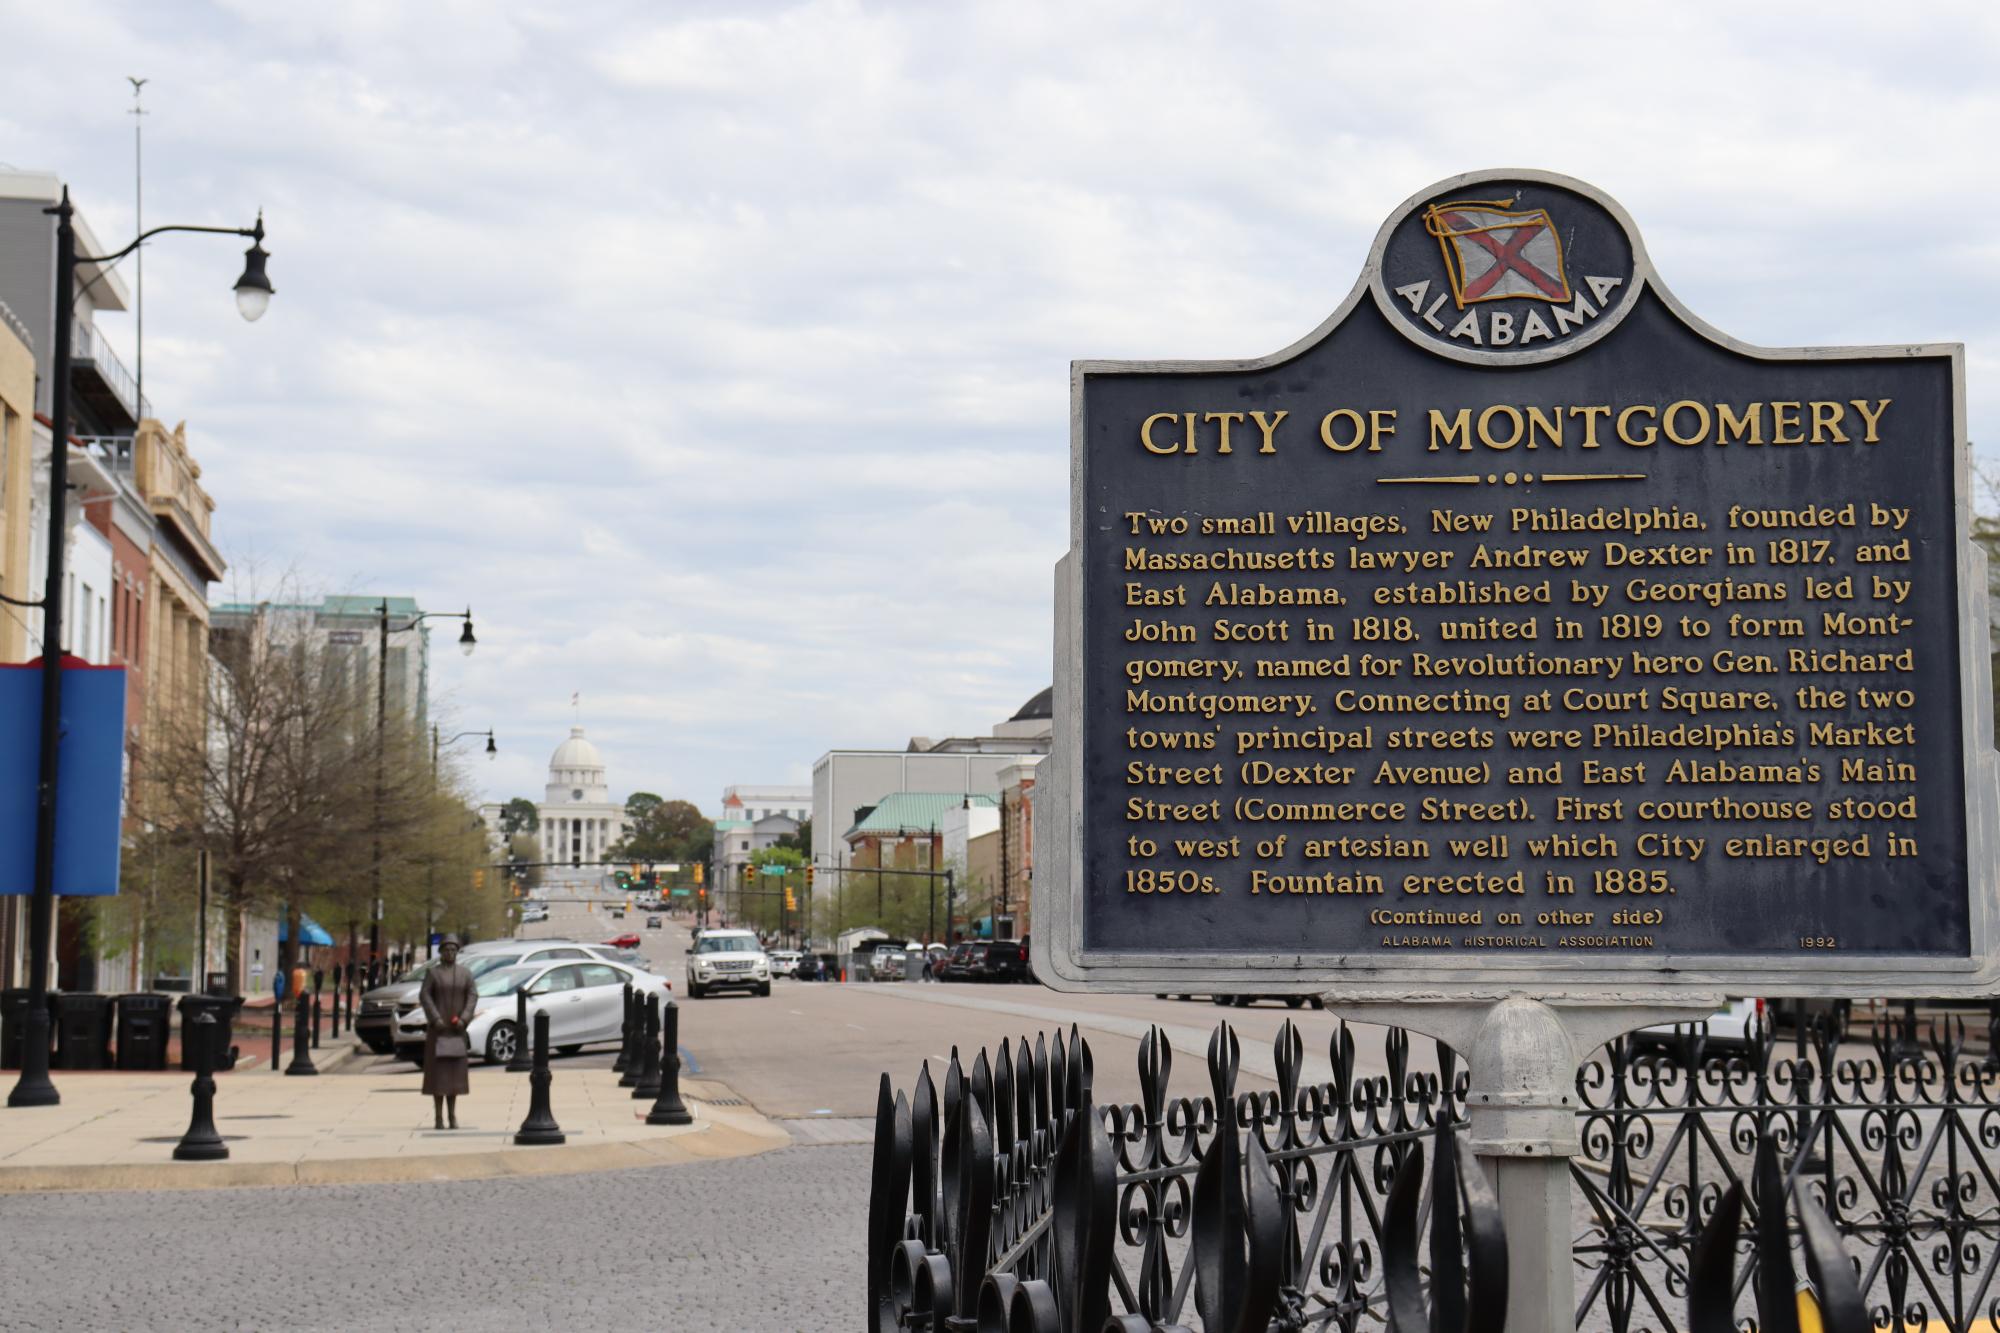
819, 1049
684, 1246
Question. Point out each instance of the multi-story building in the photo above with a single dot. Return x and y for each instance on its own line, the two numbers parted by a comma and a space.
17, 419
17, 642
846, 781
136, 505
752, 803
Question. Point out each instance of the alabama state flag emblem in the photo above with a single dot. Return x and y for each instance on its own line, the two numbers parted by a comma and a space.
1493, 252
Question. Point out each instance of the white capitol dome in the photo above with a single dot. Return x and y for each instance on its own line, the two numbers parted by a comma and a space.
576, 752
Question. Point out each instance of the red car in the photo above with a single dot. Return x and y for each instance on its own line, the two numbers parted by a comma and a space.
625, 941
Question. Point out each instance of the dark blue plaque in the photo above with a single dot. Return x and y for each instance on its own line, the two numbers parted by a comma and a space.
1517, 623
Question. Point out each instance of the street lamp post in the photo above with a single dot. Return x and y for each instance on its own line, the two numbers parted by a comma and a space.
253, 295
430, 871
466, 643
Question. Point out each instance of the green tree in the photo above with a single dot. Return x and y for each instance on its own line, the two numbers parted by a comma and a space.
657, 829
518, 816
802, 840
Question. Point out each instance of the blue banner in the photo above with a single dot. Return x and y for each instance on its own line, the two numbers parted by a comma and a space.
89, 777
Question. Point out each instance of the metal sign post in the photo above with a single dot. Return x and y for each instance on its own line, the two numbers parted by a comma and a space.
1520, 660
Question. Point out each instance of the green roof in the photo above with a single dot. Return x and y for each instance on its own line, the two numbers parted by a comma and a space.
338, 605
915, 812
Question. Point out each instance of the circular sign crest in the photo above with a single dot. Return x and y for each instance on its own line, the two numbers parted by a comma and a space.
1507, 267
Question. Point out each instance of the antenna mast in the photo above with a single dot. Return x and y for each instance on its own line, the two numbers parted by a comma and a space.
139, 226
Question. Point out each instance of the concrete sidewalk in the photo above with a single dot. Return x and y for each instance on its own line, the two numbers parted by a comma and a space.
117, 1131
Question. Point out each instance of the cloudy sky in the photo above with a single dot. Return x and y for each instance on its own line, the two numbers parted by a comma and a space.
716, 353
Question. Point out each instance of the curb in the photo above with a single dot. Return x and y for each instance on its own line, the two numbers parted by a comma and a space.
707, 1140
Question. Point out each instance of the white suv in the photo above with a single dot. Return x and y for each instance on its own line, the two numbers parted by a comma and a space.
727, 960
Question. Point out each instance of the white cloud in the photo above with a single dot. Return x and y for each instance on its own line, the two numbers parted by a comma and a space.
718, 353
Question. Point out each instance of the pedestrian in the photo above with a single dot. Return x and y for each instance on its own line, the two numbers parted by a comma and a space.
927, 967
449, 996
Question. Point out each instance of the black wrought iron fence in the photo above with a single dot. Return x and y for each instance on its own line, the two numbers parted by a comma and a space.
1013, 1200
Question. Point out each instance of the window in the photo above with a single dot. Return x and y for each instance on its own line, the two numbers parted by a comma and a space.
561, 979
597, 974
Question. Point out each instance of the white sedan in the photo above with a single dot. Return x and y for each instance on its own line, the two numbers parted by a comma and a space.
584, 1002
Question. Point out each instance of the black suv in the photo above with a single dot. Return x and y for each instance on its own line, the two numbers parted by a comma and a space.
1004, 960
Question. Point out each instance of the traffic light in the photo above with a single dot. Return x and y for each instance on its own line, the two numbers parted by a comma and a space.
809, 879
698, 868
479, 879
791, 903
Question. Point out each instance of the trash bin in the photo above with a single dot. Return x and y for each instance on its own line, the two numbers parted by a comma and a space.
83, 1027
224, 1008
143, 1021
14, 1025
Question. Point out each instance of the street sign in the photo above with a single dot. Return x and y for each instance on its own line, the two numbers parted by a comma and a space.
679, 893
774, 870
1516, 629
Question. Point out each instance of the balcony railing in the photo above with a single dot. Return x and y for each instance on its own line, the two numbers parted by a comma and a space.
90, 353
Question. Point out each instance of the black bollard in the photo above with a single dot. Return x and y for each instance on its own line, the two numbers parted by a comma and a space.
319, 983
635, 1029
540, 1127
201, 1143
668, 1108
623, 1063
302, 1061
277, 1030
333, 1006
648, 1086
520, 1064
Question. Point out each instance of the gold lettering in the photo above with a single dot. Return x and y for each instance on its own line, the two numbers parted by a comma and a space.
1223, 419
1873, 419
1785, 417
1146, 434
1458, 428
1268, 428
1625, 428
1728, 424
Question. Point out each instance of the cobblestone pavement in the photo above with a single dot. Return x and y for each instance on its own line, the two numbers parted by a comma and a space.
767, 1244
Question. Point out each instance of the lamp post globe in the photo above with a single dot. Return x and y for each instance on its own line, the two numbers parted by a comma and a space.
466, 643
253, 289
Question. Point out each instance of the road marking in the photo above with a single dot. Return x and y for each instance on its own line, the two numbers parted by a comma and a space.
857, 1027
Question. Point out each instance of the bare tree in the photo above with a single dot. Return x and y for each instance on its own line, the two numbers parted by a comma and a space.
276, 780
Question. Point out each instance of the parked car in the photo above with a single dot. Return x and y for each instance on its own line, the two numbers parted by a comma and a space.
811, 967
963, 963
381, 1007
727, 960
1729, 1030
629, 940
652, 923
532, 913
585, 1003
785, 962
1004, 960
887, 965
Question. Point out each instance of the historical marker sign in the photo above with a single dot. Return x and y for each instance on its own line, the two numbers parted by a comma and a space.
1517, 625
